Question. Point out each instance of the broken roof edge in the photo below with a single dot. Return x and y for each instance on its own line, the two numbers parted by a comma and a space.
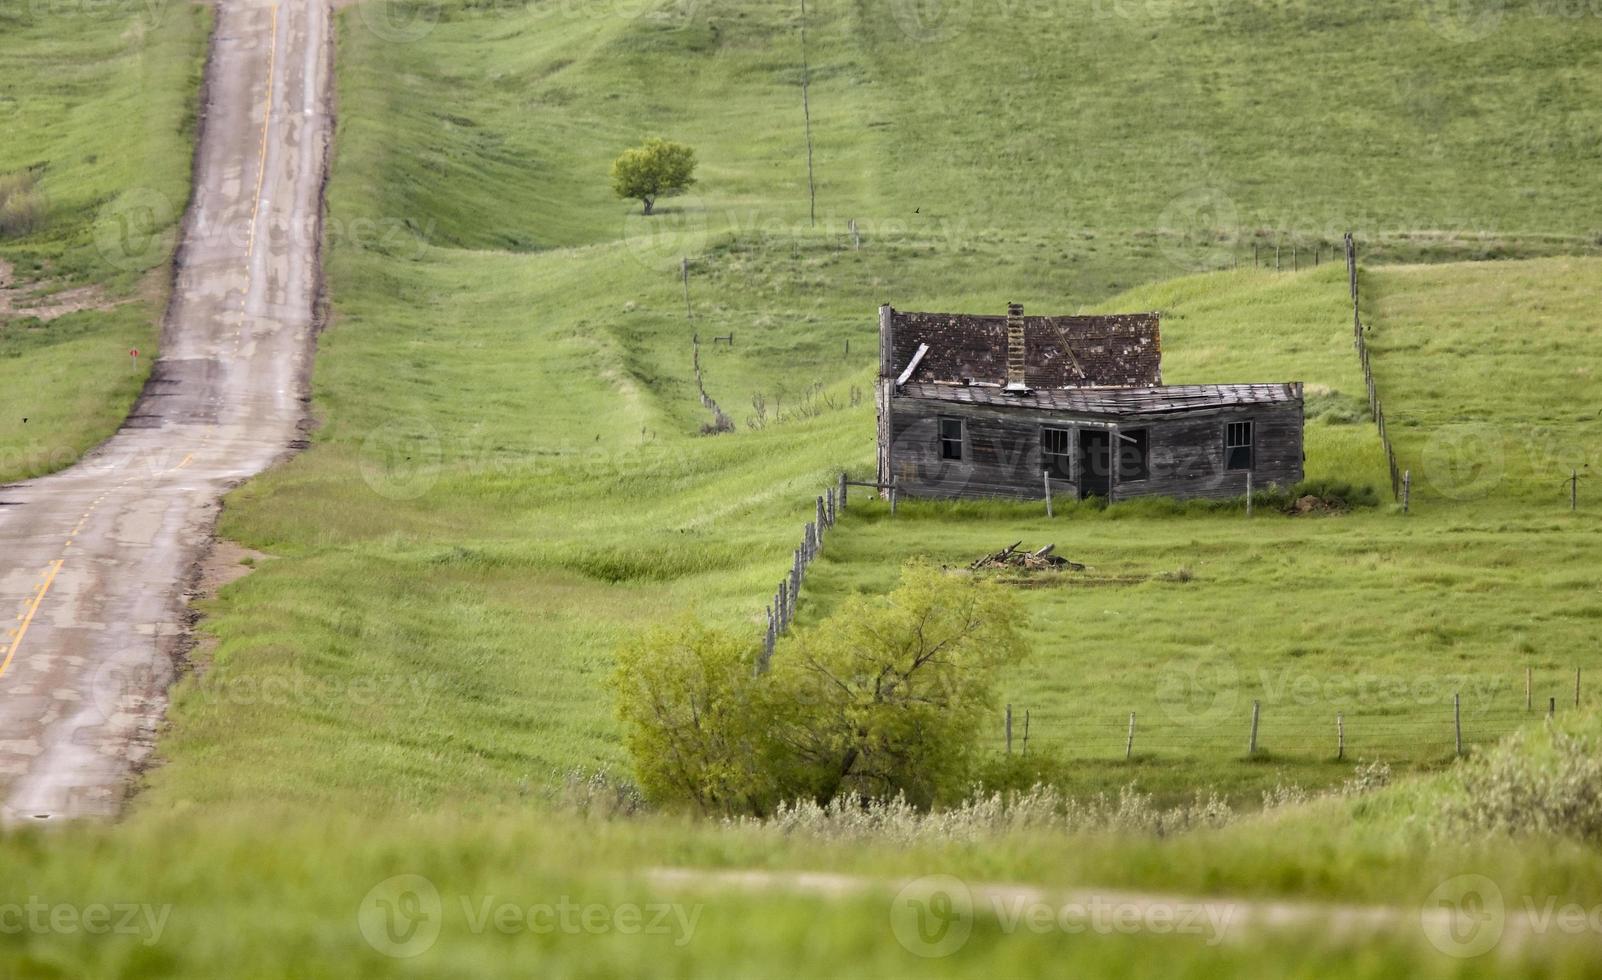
1110, 399
1143, 315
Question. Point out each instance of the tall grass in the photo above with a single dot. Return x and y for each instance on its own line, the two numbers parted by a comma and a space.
22, 207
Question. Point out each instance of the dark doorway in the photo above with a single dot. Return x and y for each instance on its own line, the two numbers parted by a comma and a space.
1095, 464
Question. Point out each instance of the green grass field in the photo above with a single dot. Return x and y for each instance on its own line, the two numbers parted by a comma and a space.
508, 464
501, 561
508, 478
98, 113
488, 885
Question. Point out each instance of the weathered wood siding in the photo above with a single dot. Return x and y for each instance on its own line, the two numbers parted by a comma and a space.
884, 393
1002, 450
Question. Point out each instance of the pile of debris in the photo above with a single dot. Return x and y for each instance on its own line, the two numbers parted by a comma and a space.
1314, 504
1030, 561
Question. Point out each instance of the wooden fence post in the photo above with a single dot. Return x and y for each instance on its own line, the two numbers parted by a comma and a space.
1026, 732
1407, 489
1528, 693
1046, 475
830, 499
1457, 721
1248, 493
842, 490
892, 500
1009, 729
1251, 746
684, 270
1340, 736
1551, 708
1129, 746
856, 242
1574, 490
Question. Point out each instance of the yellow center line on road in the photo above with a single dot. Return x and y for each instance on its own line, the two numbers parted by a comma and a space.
27, 619
266, 125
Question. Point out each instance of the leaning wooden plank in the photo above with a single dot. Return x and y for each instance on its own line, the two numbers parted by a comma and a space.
912, 365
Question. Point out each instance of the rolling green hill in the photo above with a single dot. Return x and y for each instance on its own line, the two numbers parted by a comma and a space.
509, 477
98, 110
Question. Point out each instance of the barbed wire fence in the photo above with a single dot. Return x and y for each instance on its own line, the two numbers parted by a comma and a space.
1294, 256
780, 612
720, 420
1246, 729
1401, 485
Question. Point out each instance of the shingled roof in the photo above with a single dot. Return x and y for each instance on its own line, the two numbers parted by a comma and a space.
1159, 400
1122, 350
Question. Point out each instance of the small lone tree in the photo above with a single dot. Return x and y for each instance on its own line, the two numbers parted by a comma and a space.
653, 169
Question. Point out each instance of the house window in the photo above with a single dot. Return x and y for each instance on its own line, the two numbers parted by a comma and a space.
1056, 452
1238, 449
950, 438
1134, 455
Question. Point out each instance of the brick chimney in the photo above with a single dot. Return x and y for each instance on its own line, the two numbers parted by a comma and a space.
1015, 348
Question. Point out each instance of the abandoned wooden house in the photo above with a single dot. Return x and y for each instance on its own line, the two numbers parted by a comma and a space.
1014, 406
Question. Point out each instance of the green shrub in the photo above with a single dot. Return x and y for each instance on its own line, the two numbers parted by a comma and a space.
684, 695
882, 700
22, 208
892, 692
1550, 785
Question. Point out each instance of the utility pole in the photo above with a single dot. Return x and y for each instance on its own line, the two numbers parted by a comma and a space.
806, 112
